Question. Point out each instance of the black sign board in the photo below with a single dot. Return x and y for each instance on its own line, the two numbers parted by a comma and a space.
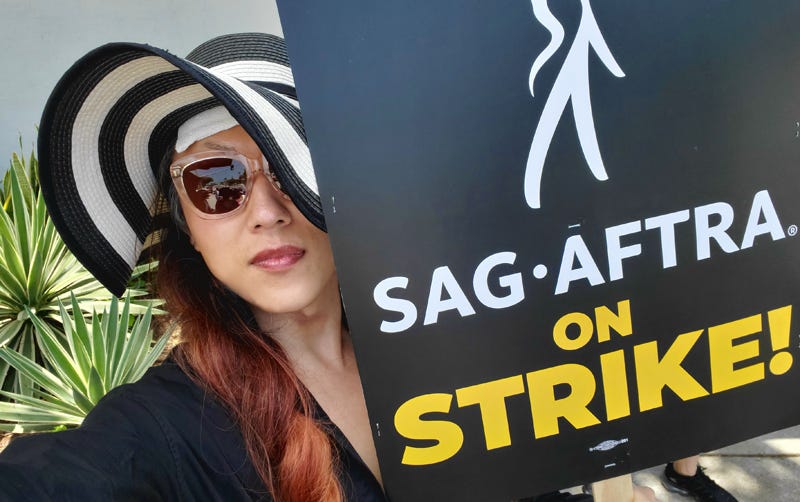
565, 230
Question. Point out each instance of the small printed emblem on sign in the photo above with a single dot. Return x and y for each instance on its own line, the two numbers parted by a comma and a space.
608, 444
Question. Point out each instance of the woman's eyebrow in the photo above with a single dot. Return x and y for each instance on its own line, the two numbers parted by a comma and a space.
217, 146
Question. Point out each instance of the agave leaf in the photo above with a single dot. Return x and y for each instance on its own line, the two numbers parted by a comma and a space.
15, 273
77, 347
33, 163
149, 358
51, 247
81, 330
60, 359
11, 286
98, 346
35, 280
111, 323
9, 331
121, 369
96, 388
83, 402
18, 171
36, 283
36, 373
44, 403
115, 342
27, 413
138, 343
5, 200
21, 201
7, 233
5, 368
26, 346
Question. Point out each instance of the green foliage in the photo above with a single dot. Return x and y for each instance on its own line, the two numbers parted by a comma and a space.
37, 272
28, 174
82, 364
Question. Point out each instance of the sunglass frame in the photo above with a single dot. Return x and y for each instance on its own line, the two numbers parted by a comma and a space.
252, 167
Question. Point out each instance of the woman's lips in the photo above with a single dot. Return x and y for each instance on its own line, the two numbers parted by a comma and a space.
278, 259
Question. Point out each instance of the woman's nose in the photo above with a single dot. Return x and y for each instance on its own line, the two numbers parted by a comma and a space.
273, 180
267, 205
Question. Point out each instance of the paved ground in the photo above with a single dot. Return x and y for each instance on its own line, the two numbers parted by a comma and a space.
764, 469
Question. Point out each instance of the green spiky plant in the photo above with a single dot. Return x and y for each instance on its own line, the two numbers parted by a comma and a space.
37, 271
82, 364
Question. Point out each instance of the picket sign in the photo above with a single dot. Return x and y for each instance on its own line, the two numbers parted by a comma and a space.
559, 228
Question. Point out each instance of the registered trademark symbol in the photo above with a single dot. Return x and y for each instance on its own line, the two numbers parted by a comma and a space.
792, 230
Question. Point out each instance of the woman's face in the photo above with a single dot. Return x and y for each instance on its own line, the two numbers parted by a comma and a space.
268, 253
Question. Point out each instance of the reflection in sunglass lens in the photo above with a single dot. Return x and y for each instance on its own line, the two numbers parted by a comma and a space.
217, 185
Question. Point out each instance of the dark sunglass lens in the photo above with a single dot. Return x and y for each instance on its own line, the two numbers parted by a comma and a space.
216, 185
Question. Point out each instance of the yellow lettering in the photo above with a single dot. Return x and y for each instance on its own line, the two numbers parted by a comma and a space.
491, 396
615, 385
652, 374
546, 409
409, 424
724, 354
620, 322
585, 330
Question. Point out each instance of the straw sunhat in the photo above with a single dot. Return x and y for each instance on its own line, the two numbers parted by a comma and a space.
114, 115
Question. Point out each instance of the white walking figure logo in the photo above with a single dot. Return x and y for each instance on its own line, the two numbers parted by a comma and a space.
571, 84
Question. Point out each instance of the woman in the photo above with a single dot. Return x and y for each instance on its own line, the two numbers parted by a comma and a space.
262, 399
239, 259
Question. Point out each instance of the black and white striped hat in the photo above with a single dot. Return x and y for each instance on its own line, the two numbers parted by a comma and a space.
113, 116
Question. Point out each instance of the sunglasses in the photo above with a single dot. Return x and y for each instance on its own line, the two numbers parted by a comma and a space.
218, 183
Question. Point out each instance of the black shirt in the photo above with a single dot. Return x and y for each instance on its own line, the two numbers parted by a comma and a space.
161, 438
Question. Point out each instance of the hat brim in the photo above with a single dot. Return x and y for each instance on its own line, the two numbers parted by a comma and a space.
113, 116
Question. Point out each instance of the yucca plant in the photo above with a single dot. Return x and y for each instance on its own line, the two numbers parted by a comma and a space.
36, 271
81, 365
30, 177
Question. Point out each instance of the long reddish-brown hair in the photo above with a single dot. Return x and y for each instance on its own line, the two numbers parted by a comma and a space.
224, 351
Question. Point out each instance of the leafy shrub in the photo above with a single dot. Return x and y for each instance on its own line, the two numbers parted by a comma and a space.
37, 272
96, 357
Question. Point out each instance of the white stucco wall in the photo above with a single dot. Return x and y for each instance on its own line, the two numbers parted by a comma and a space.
41, 39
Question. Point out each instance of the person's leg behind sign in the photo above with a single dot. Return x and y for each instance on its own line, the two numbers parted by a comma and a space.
686, 477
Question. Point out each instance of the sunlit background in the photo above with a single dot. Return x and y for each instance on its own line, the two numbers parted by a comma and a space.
42, 39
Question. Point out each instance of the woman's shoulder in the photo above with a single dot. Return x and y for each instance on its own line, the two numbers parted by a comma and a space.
160, 438
163, 391
121, 440
165, 399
